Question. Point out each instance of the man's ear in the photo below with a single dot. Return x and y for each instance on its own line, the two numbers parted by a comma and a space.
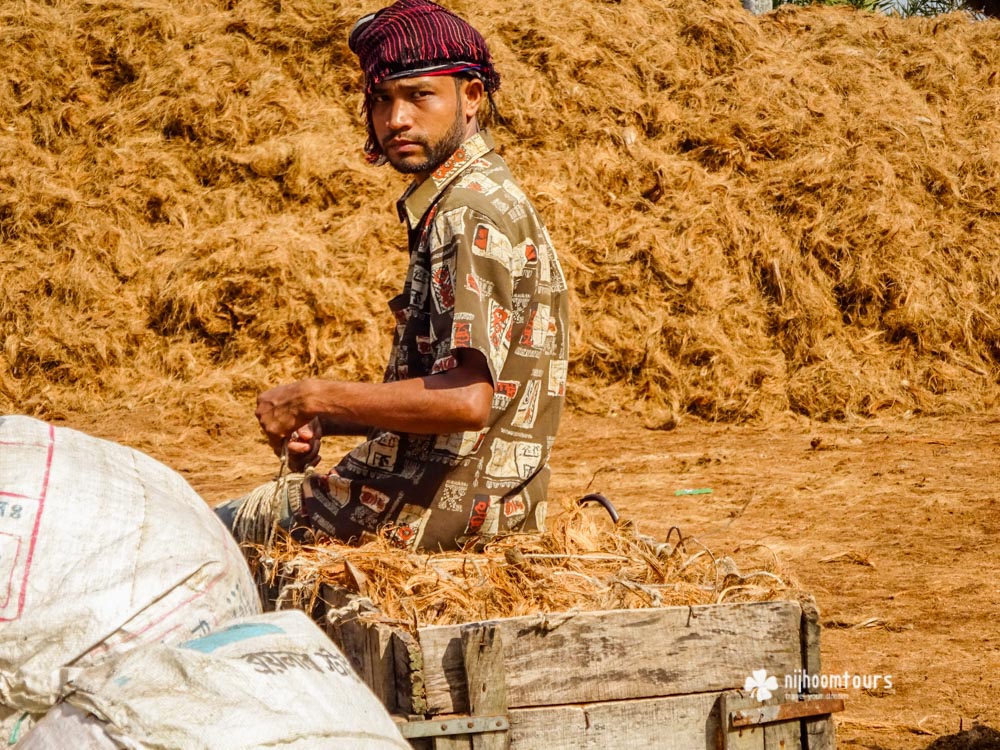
472, 97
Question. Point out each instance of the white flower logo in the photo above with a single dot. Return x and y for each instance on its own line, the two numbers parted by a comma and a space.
760, 685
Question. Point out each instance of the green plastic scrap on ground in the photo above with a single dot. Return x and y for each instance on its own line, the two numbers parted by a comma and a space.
15, 733
703, 491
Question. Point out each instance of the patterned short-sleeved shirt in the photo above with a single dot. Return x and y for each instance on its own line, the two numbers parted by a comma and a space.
483, 275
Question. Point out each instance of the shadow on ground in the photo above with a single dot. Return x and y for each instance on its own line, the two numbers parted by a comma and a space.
980, 737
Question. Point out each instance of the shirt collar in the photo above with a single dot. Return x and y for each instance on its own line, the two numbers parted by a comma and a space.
419, 197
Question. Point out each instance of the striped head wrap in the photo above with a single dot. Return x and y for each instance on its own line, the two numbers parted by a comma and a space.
417, 38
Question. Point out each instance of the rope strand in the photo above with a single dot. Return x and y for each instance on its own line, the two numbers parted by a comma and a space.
264, 508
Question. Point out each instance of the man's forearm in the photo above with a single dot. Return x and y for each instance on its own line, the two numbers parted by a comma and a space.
457, 400
419, 405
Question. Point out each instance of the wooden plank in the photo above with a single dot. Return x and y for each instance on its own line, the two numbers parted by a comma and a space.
381, 675
820, 733
625, 654
734, 737
784, 735
352, 639
408, 662
689, 722
460, 742
810, 636
482, 646
369, 648
774, 724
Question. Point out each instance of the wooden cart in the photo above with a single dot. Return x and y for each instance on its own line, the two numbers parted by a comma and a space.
656, 679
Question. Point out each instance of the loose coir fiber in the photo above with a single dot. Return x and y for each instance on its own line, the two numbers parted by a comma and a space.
795, 211
581, 563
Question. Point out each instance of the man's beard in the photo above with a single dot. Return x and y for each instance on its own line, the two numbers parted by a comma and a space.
437, 153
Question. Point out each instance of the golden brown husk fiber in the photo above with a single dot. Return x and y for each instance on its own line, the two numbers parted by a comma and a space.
795, 211
582, 563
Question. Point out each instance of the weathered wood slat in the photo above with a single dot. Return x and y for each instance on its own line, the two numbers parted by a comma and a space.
459, 742
739, 738
352, 638
624, 654
748, 738
409, 667
369, 647
778, 723
688, 722
382, 676
821, 732
482, 645
786, 735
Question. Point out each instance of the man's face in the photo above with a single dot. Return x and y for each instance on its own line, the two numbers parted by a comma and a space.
420, 122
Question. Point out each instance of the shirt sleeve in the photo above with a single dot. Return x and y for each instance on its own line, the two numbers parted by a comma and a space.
472, 282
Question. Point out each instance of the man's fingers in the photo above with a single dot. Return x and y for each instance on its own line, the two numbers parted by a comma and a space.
299, 446
305, 433
304, 445
302, 454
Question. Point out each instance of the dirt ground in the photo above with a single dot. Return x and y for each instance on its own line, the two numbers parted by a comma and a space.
893, 526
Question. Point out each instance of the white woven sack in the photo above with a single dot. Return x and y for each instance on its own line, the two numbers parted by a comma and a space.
272, 681
101, 549
65, 727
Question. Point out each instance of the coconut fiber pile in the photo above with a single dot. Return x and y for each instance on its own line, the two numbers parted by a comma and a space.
582, 563
794, 211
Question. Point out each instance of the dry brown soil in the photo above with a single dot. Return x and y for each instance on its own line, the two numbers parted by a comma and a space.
893, 526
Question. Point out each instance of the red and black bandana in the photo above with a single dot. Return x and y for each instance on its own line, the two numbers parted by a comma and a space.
417, 38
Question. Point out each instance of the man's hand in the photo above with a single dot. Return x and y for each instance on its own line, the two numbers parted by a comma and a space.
282, 411
456, 400
303, 446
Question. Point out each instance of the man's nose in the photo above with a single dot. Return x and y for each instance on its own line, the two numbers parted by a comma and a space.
400, 115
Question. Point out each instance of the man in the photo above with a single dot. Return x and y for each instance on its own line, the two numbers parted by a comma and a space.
459, 432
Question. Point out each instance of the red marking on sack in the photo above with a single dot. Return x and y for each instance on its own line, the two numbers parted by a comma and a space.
34, 531
10, 578
16, 495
